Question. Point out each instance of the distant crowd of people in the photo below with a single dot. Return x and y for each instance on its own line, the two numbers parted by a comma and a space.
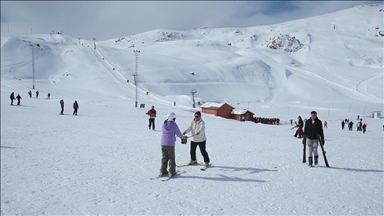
360, 126
261, 120
18, 98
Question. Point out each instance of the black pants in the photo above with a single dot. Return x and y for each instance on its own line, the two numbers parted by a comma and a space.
18, 102
151, 123
75, 111
11, 101
62, 110
202, 150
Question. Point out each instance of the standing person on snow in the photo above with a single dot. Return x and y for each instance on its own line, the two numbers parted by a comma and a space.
152, 115
62, 107
313, 127
49, 95
75, 107
30, 94
170, 129
325, 124
18, 97
299, 125
37, 94
342, 124
364, 127
12, 97
197, 129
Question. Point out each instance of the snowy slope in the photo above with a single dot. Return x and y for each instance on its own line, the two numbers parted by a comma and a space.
101, 161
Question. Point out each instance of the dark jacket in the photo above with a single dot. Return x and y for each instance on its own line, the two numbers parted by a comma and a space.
311, 130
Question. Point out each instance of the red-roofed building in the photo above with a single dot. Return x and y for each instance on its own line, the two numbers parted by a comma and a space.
218, 109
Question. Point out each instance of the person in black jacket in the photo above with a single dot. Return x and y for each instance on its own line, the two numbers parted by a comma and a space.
313, 127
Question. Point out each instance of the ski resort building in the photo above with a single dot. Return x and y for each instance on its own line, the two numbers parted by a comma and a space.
242, 115
218, 109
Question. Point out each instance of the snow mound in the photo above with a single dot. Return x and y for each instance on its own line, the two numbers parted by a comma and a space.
284, 42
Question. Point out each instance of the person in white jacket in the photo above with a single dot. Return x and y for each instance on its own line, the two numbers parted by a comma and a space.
197, 129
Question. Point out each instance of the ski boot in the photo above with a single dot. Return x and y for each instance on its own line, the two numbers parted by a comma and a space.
310, 161
192, 162
316, 159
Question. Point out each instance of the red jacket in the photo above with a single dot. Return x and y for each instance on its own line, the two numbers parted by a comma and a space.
151, 113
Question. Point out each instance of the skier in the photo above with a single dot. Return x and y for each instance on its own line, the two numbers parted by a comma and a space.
325, 124
358, 125
18, 97
152, 115
170, 129
364, 127
75, 107
197, 129
37, 94
350, 125
12, 97
313, 127
342, 124
30, 94
62, 107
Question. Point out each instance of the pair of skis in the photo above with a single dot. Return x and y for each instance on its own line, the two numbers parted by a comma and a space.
167, 178
202, 169
322, 149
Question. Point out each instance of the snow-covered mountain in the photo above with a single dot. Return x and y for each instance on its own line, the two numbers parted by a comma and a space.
101, 161
328, 58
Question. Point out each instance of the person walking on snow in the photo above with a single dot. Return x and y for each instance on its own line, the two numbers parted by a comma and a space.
152, 115
342, 124
313, 127
62, 107
325, 124
75, 107
18, 97
30, 94
299, 125
37, 94
12, 97
364, 127
197, 129
168, 139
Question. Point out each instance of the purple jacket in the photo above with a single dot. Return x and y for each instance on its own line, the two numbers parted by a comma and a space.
170, 129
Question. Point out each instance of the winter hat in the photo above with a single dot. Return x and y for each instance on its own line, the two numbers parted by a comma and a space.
198, 113
171, 116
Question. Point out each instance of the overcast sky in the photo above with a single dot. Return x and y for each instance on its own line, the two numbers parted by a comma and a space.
108, 20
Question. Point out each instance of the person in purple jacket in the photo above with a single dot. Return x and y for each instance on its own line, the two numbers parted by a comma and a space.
168, 139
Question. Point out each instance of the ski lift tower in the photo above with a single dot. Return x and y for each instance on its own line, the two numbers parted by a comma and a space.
137, 52
33, 66
193, 92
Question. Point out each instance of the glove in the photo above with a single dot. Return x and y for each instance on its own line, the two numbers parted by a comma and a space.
184, 140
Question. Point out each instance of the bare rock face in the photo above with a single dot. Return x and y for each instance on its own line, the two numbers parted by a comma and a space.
284, 42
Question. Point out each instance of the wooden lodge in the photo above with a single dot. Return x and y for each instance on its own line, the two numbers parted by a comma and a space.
218, 109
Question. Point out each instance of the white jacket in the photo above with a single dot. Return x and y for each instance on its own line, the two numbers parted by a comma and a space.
196, 127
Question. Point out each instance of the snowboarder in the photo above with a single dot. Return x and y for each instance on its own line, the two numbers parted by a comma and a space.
18, 97
30, 94
75, 107
342, 124
62, 107
152, 115
12, 97
37, 94
170, 129
364, 127
197, 129
313, 127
